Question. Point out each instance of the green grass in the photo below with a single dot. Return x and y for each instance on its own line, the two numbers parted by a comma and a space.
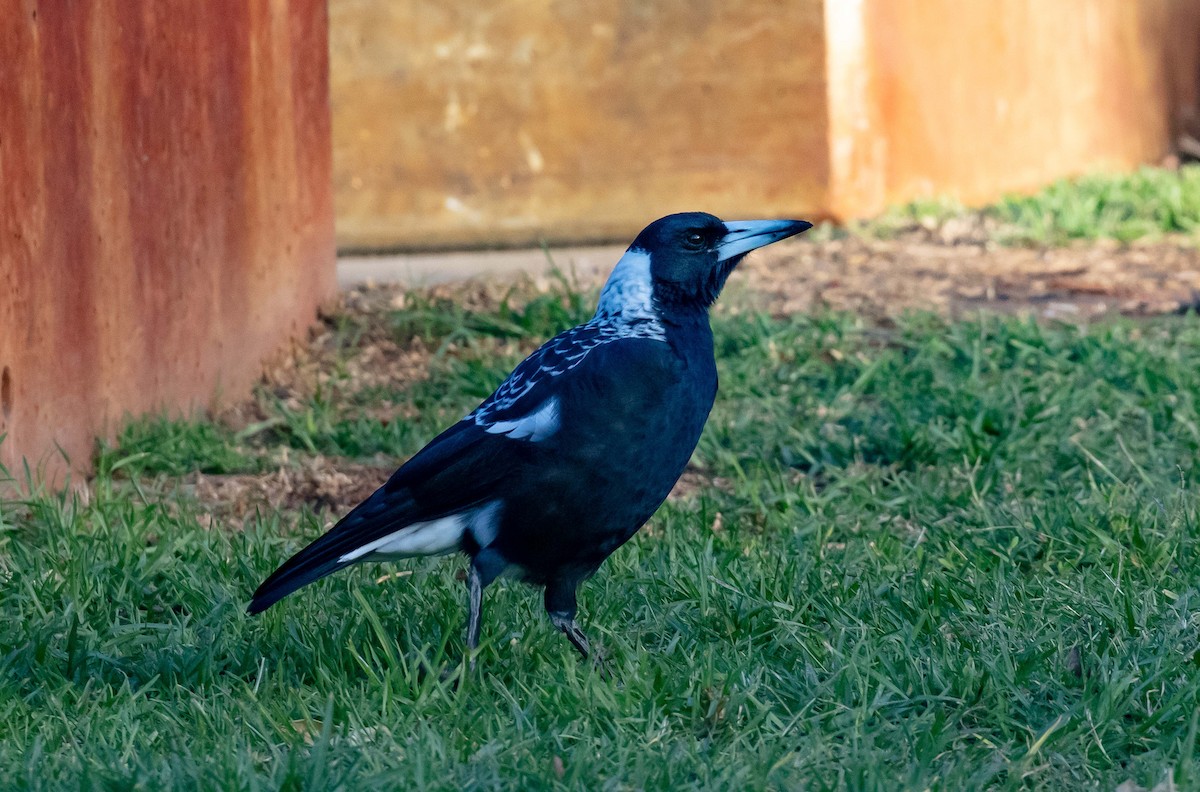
1146, 204
173, 447
948, 556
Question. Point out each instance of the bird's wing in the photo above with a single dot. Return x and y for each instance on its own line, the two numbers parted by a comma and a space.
536, 379
420, 506
451, 485
423, 509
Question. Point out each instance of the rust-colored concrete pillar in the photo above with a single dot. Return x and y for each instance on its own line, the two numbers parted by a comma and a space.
165, 209
973, 100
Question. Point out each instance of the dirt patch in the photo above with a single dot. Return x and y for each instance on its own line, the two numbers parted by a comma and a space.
953, 275
350, 350
694, 481
319, 483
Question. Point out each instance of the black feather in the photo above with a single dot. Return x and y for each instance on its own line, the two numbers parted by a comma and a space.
577, 448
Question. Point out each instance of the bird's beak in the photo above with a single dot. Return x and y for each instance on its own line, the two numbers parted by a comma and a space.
742, 236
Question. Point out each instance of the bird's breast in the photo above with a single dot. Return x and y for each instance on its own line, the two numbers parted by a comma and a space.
626, 431
618, 461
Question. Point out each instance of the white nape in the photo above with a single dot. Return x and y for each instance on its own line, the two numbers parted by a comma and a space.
535, 426
628, 293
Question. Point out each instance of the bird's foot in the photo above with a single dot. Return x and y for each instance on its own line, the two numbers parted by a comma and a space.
600, 666
566, 624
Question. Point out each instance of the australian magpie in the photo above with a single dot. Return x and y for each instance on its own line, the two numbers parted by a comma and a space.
576, 449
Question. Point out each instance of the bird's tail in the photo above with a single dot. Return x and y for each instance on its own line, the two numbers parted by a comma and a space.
341, 547
312, 563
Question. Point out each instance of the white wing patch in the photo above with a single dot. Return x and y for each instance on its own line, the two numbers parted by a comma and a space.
535, 426
485, 523
434, 537
419, 539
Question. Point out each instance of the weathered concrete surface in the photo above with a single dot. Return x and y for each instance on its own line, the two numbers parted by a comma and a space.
165, 211
465, 124
460, 123
588, 264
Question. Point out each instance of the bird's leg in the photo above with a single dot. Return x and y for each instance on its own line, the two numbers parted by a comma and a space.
561, 607
475, 608
485, 567
575, 635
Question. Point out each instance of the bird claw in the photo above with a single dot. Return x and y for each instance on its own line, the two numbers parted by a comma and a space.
600, 666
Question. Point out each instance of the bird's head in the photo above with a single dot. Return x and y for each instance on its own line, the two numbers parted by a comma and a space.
682, 261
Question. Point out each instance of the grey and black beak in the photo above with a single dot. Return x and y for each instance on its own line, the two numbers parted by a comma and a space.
742, 236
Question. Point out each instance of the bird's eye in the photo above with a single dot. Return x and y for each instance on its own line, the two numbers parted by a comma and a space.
694, 240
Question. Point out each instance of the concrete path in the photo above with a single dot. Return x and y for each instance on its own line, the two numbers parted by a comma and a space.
426, 269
